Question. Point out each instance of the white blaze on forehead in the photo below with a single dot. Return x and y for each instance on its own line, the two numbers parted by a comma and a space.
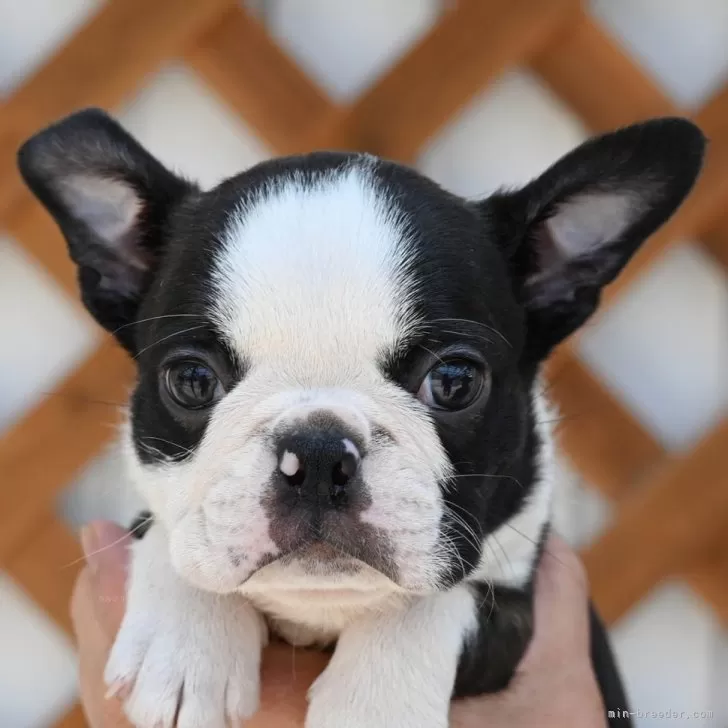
312, 275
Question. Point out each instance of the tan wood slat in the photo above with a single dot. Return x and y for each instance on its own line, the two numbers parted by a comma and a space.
47, 565
593, 75
469, 48
615, 454
708, 576
36, 232
662, 527
714, 120
471, 45
609, 448
716, 243
102, 65
73, 719
239, 59
56, 439
713, 117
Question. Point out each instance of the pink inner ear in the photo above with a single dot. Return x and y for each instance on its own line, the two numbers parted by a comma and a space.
109, 207
586, 222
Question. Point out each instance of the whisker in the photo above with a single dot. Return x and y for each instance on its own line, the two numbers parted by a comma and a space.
450, 544
472, 336
471, 537
432, 353
534, 542
111, 545
156, 318
498, 562
503, 551
563, 418
465, 565
493, 602
523, 535
487, 475
169, 336
169, 442
81, 398
476, 323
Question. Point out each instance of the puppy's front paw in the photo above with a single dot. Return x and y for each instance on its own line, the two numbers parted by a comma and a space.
335, 702
364, 699
190, 664
396, 669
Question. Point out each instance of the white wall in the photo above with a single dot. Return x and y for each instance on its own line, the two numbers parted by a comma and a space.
663, 347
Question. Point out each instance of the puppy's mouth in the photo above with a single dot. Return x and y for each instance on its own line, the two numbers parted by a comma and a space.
328, 556
322, 559
330, 542
320, 551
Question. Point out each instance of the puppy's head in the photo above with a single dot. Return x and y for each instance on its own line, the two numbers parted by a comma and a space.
338, 359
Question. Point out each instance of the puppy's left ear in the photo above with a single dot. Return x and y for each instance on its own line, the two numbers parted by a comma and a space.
112, 200
570, 232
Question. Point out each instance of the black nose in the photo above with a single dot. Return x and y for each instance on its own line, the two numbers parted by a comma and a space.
320, 463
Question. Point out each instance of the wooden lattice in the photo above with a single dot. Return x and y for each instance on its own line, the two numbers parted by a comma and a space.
657, 533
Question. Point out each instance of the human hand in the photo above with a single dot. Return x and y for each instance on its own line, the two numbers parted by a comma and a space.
97, 607
554, 685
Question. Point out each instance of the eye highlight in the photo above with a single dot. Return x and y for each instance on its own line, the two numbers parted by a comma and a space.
192, 384
453, 384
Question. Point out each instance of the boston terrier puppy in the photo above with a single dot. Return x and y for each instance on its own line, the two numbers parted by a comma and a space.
338, 421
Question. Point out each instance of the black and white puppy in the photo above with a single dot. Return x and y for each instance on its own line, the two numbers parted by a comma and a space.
338, 421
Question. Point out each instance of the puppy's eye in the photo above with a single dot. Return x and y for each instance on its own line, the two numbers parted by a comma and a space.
453, 385
192, 385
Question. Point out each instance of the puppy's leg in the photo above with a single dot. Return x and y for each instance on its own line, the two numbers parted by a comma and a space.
183, 657
505, 627
396, 670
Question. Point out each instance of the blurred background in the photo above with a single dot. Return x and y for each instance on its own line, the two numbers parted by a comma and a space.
477, 95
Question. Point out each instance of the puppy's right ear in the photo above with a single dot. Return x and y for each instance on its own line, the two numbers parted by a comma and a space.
111, 199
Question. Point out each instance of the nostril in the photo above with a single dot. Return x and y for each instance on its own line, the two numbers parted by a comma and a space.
344, 469
296, 480
338, 476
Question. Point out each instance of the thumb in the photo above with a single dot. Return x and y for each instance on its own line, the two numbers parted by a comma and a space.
106, 548
561, 612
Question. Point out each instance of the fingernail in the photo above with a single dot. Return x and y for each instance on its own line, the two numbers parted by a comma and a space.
90, 546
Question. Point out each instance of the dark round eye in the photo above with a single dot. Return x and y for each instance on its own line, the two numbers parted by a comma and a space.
452, 385
192, 385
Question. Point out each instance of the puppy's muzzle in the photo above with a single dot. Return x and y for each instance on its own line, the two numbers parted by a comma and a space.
319, 491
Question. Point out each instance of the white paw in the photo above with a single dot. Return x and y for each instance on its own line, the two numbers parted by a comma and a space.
396, 669
360, 701
188, 665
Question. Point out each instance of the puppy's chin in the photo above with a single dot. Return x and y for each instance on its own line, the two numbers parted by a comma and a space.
318, 570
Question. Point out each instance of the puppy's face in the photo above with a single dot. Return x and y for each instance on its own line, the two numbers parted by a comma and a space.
337, 359
323, 374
